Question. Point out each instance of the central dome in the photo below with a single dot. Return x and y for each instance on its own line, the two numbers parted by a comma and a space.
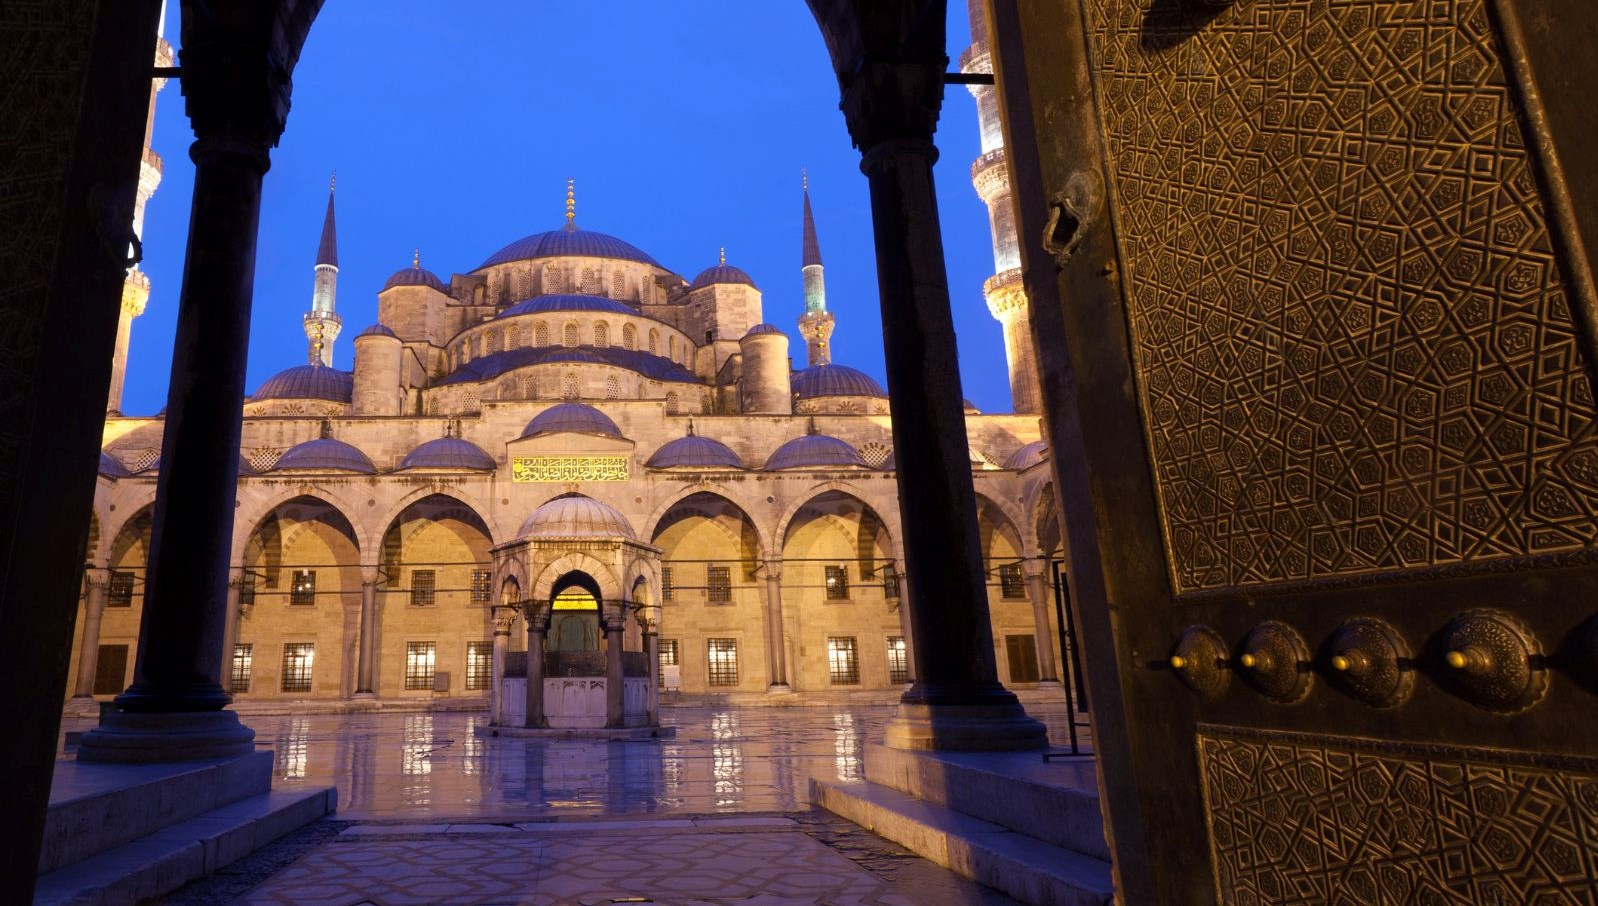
572, 243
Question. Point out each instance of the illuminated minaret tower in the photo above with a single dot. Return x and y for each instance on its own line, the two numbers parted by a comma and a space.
321, 322
136, 285
816, 324
1006, 298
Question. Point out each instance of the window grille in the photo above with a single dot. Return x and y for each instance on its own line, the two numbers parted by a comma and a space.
601, 334
570, 387
1022, 652
419, 665
423, 584
482, 586
669, 656
513, 337
302, 590
569, 335
666, 588
671, 348
479, 665
890, 581
540, 334
618, 286
898, 660
629, 337
843, 662
553, 282
837, 583
247, 589
591, 281
1012, 585
121, 589
671, 404
654, 342
298, 658
723, 657
612, 388
718, 582
243, 662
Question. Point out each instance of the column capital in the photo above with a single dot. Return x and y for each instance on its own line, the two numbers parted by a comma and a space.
97, 576
236, 85
504, 618
371, 574
1032, 567
892, 106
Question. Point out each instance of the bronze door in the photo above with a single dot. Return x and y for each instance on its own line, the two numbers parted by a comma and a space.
1314, 322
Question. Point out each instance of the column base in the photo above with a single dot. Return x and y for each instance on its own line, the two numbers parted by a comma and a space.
124, 738
1049, 684
779, 689
963, 720
363, 696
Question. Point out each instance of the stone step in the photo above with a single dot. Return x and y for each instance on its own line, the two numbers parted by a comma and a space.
1027, 869
1056, 802
97, 807
163, 861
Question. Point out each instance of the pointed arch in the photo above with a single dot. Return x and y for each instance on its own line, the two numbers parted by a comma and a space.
379, 527
715, 489
251, 515
889, 515
576, 561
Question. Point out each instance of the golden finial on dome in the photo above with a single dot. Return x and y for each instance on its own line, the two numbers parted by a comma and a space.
416, 258
724, 256
571, 203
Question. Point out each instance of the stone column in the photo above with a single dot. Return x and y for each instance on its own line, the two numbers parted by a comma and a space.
956, 701
1037, 588
652, 652
904, 628
230, 628
366, 665
97, 581
173, 709
537, 625
615, 700
776, 643
496, 695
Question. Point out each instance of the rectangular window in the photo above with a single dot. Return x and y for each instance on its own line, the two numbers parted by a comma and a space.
482, 586
111, 670
898, 660
718, 579
302, 591
1012, 585
247, 589
1022, 651
422, 585
243, 661
890, 581
837, 583
843, 663
665, 583
121, 591
298, 658
479, 665
419, 665
723, 656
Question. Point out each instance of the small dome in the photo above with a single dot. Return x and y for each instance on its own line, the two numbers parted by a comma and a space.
111, 467
415, 275
576, 516
835, 380
308, 382
448, 453
555, 302
694, 452
377, 330
572, 418
814, 451
1027, 457
722, 273
762, 329
569, 243
325, 454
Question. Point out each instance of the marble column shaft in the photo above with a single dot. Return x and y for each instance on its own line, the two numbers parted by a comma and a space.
1037, 586
496, 696
230, 629
904, 629
615, 693
652, 652
535, 673
98, 588
776, 643
365, 679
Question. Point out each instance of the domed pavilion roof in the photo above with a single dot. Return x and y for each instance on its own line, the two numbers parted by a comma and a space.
448, 453
415, 275
722, 273
835, 380
577, 516
572, 418
325, 454
814, 451
308, 382
693, 452
569, 243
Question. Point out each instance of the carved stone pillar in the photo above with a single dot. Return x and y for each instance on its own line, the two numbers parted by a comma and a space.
97, 587
652, 652
366, 665
503, 619
615, 700
537, 625
1037, 588
230, 629
776, 643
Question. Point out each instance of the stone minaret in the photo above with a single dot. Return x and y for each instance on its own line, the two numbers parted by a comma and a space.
1006, 298
136, 286
816, 324
321, 322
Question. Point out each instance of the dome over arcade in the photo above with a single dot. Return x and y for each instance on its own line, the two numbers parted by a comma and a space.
377, 330
722, 273
694, 452
308, 382
572, 418
762, 329
559, 302
577, 516
1027, 457
815, 451
325, 454
448, 453
835, 380
111, 467
569, 243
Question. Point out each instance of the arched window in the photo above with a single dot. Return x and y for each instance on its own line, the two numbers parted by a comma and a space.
671, 348
570, 388
493, 342
540, 334
629, 337
552, 279
529, 388
654, 341
601, 334
671, 403
612, 388
466, 353
618, 285
513, 337
569, 335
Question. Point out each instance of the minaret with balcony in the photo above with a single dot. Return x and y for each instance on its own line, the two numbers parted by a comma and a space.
816, 324
322, 323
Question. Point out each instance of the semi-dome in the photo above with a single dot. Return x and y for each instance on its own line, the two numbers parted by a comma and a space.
762, 329
693, 452
111, 467
308, 382
377, 330
835, 380
1027, 457
569, 243
448, 453
572, 418
325, 454
557, 302
415, 275
491, 366
722, 273
815, 451
577, 516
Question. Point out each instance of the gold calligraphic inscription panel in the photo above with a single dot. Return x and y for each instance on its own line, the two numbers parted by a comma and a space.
569, 468
1354, 348
1301, 819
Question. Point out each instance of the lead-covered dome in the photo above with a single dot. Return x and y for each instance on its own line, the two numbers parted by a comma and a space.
308, 382
111, 467
835, 380
569, 243
556, 302
1027, 457
415, 275
377, 330
572, 418
448, 453
325, 454
722, 273
815, 451
763, 329
693, 452
577, 516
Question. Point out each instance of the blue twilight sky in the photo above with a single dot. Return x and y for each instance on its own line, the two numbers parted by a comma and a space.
453, 128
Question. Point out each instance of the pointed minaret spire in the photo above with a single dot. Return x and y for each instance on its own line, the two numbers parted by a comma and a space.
321, 322
816, 324
571, 205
